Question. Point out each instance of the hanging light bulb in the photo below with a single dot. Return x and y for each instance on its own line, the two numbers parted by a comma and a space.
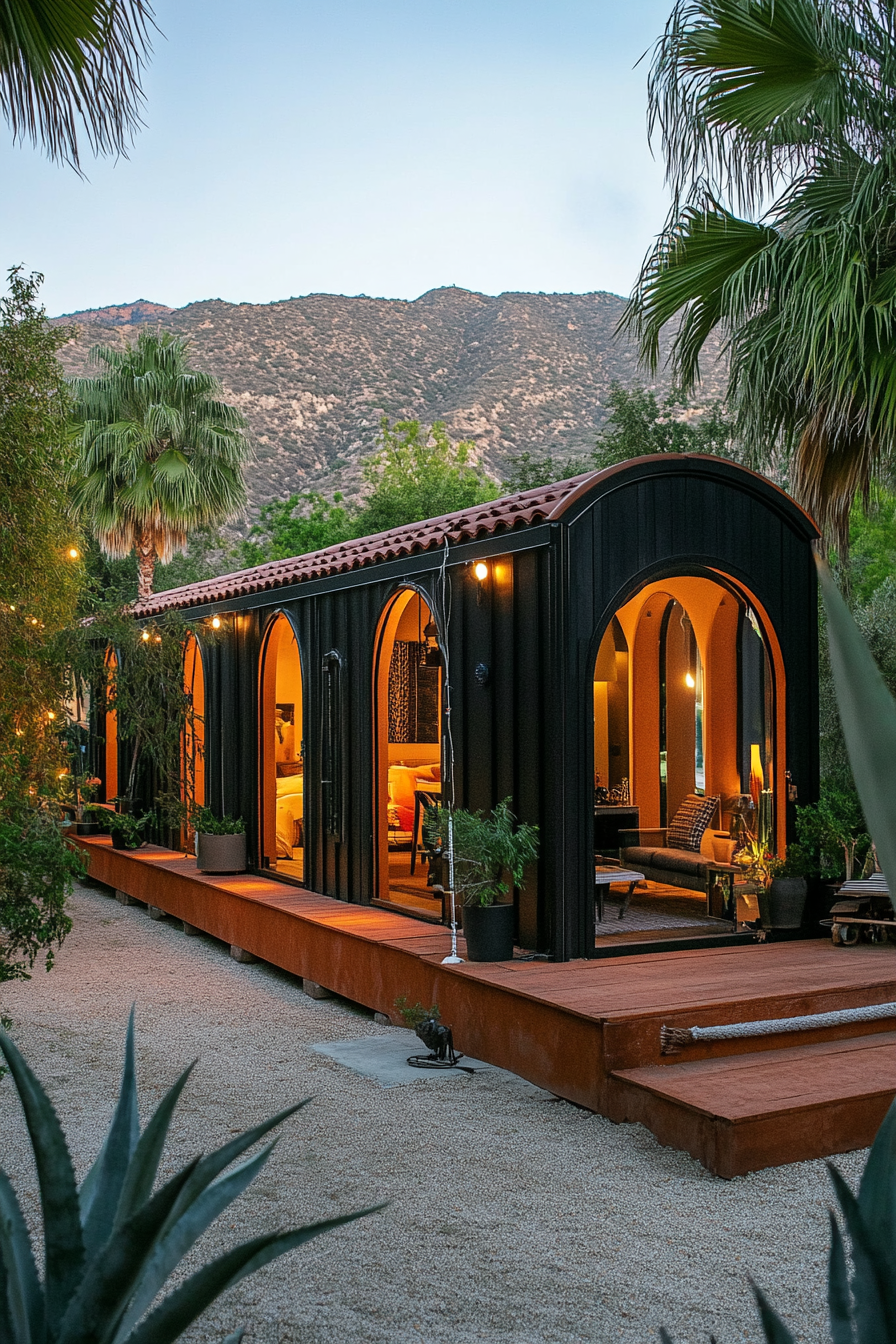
480, 571
216, 622
145, 636
689, 680
74, 553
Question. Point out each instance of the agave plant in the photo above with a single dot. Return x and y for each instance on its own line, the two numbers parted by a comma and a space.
110, 1246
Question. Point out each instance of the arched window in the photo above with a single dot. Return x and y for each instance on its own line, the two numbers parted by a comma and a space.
282, 752
193, 775
110, 731
408, 756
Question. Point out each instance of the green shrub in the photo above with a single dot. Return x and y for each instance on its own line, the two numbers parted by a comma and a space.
111, 1246
37, 869
204, 822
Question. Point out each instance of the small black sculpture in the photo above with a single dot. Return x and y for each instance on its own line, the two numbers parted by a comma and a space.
441, 1045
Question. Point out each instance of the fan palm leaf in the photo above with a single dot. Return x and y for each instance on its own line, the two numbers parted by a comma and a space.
66, 64
159, 451
779, 143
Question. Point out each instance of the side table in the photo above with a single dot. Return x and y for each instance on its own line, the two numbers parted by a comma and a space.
603, 877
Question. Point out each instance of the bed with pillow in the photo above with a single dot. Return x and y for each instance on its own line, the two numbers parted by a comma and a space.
290, 810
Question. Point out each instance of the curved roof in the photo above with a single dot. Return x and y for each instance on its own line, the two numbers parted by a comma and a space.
550, 503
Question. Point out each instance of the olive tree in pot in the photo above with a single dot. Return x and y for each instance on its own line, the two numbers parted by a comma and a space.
490, 855
220, 842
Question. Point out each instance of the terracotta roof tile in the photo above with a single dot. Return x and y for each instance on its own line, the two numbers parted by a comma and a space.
486, 520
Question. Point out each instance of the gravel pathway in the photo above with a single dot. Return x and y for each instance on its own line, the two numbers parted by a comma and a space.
514, 1218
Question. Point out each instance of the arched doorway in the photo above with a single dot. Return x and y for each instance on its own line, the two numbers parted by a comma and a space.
194, 732
282, 753
408, 756
110, 731
688, 705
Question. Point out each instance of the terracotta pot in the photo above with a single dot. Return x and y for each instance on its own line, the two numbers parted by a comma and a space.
782, 904
488, 930
221, 853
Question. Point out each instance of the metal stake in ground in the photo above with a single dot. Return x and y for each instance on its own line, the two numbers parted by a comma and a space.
453, 959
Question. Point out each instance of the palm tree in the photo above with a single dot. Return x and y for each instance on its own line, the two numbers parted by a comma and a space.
776, 120
65, 62
159, 452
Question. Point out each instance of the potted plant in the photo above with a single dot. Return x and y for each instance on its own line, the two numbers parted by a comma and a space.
782, 899
220, 842
124, 826
490, 855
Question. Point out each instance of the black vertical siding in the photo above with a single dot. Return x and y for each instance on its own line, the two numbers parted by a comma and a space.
527, 733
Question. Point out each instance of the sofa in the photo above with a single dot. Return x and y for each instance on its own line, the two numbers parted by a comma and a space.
681, 854
404, 781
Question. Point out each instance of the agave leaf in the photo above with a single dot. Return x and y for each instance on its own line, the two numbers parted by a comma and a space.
101, 1192
182, 1307
236, 1337
144, 1163
839, 1303
873, 1299
6, 1325
21, 1292
775, 1330
95, 1310
63, 1241
172, 1246
877, 1189
214, 1163
868, 715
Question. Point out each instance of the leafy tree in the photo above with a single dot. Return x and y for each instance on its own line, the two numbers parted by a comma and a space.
777, 128
417, 474
73, 62
640, 425
295, 526
40, 577
159, 452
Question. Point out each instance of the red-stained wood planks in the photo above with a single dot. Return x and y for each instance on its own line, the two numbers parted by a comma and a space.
588, 1031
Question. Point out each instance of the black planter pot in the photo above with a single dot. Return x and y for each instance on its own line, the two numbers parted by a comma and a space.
781, 906
488, 930
86, 828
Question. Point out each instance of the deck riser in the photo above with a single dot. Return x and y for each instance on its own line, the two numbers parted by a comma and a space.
734, 1149
633, 1044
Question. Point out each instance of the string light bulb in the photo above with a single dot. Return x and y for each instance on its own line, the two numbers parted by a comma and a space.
689, 680
33, 620
145, 636
74, 553
480, 571
216, 622
51, 714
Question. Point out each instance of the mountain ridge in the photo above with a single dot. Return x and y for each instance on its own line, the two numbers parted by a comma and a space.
515, 372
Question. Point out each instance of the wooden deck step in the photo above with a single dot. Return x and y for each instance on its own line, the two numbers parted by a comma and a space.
746, 1112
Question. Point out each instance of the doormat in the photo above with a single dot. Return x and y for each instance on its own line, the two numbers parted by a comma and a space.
385, 1059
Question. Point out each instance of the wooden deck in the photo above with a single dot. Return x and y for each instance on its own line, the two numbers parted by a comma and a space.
586, 1030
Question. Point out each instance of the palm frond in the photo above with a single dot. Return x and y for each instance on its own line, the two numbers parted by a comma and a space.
74, 67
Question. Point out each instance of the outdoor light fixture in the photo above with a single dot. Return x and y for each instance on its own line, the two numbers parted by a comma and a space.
432, 656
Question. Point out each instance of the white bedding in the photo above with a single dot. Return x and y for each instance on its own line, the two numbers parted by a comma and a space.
290, 809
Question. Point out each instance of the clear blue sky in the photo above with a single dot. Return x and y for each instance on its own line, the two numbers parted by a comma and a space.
358, 147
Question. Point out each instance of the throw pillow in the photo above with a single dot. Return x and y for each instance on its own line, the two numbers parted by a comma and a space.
686, 828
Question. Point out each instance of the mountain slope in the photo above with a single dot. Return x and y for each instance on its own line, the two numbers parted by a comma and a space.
516, 372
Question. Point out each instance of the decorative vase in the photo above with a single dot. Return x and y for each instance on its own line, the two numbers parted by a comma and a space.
221, 853
781, 905
488, 930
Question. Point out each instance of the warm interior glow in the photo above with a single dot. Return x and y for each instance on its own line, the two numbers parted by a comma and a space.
689, 680
756, 764
216, 622
480, 569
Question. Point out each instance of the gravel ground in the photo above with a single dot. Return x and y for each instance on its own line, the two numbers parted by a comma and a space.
514, 1217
